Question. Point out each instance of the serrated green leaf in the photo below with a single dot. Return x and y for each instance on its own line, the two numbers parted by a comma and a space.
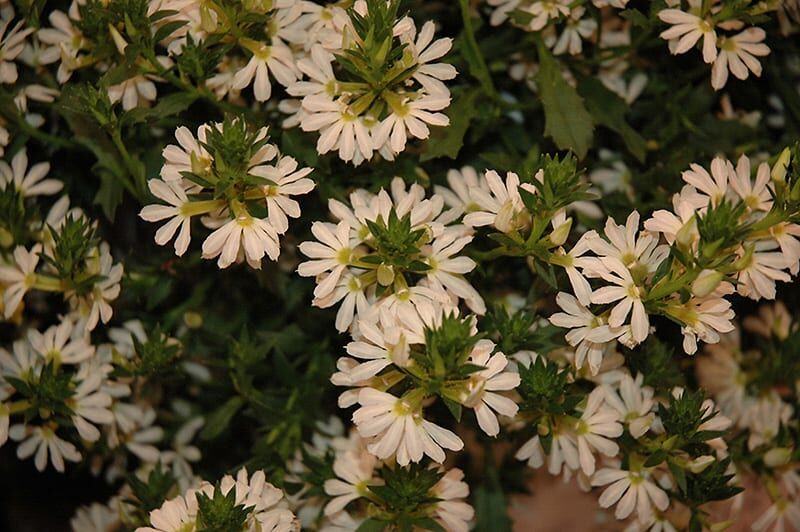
567, 121
609, 110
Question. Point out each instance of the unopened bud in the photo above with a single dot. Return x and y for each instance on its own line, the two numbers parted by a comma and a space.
706, 283
699, 464
669, 443
193, 320
745, 260
687, 234
384, 49
778, 456
385, 275
119, 40
6, 238
560, 233
207, 20
198, 167
779, 169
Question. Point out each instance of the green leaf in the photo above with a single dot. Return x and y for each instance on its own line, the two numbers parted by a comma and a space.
567, 121
158, 293
168, 105
636, 17
109, 195
609, 110
471, 52
453, 407
447, 141
371, 525
149, 494
490, 510
426, 523
168, 29
547, 273
656, 458
220, 418
679, 474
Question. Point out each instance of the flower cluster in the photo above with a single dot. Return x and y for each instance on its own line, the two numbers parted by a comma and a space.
387, 87
51, 384
62, 395
523, 216
749, 384
563, 25
59, 253
394, 255
362, 490
729, 232
713, 22
237, 183
668, 442
247, 502
445, 359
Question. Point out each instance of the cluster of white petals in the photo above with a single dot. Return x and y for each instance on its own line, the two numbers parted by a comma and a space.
369, 290
266, 506
237, 234
737, 54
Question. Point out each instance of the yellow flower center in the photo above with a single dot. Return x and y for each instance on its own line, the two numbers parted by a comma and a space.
343, 256
729, 45
633, 292
401, 408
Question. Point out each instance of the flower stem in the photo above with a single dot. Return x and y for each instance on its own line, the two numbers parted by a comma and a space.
478, 63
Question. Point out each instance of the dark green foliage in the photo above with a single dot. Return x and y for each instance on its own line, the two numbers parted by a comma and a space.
405, 498
685, 415
396, 244
48, 393
543, 387
519, 331
72, 244
150, 493
220, 513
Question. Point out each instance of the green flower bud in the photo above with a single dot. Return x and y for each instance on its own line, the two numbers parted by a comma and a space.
778, 456
193, 320
385, 274
687, 234
119, 40
560, 233
6, 238
706, 283
779, 169
699, 464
